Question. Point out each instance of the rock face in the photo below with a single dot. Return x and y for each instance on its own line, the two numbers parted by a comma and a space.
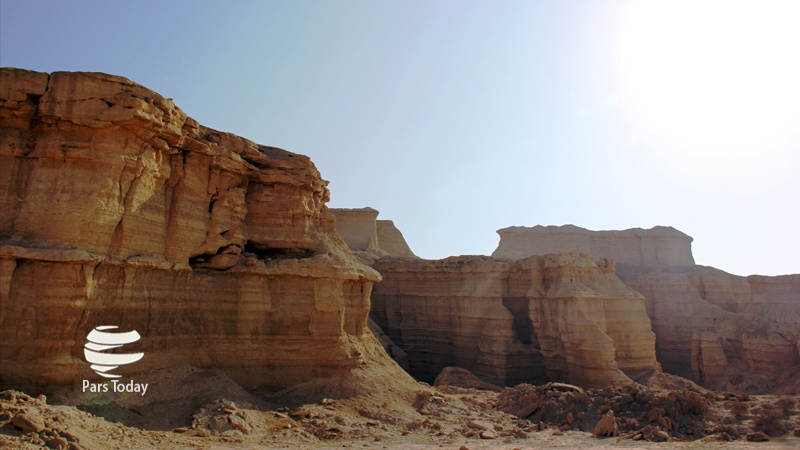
368, 237
358, 228
391, 240
658, 247
718, 329
116, 208
551, 318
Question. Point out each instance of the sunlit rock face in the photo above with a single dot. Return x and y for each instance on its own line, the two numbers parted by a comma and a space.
358, 227
552, 318
369, 237
391, 240
656, 248
116, 208
718, 329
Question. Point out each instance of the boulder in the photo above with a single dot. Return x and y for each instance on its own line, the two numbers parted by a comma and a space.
463, 378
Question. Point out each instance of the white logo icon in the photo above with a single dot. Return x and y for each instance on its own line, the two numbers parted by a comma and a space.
101, 340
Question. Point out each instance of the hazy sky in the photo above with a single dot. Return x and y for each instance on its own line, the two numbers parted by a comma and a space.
457, 118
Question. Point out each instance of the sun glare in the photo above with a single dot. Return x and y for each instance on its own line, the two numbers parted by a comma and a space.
713, 78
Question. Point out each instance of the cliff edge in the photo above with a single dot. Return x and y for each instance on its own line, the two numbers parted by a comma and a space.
117, 209
720, 330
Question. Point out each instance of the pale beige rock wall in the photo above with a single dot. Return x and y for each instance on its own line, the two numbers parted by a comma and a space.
391, 240
358, 227
558, 317
368, 237
116, 208
658, 247
722, 330
718, 329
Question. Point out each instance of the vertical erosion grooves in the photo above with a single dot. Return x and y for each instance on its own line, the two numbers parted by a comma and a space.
552, 318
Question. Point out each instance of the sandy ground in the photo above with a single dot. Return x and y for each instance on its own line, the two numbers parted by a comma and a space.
418, 416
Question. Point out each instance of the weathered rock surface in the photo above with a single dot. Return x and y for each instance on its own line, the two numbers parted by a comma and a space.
557, 317
358, 227
391, 240
369, 238
658, 247
721, 330
463, 378
116, 208
724, 331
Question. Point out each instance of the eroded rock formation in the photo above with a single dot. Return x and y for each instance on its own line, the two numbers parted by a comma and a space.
368, 237
358, 227
391, 240
721, 330
116, 208
658, 247
551, 318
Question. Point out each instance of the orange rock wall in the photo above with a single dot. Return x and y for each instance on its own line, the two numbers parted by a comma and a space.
116, 208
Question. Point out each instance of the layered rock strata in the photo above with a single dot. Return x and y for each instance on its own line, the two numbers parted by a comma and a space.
551, 318
658, 247
721, 330
116, 208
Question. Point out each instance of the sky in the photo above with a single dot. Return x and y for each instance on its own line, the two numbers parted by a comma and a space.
457, 118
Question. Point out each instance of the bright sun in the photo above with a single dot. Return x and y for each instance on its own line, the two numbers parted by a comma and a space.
713, 78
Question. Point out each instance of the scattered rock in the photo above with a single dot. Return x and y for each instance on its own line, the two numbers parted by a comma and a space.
28, 424
488, 434
199, 432
300, 413
757, 436
221, 417
521, 400
463, 378
57, 443
606, 426
480, 425
564, 387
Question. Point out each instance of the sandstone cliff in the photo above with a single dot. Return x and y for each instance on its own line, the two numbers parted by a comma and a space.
658, 247
358, 227
116, 208
721, 330
391, 240
368, 237
551, 318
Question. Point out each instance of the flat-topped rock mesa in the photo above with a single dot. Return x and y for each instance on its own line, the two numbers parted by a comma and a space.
720, 330
364, 233
657, 247
550, 318
116, 208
